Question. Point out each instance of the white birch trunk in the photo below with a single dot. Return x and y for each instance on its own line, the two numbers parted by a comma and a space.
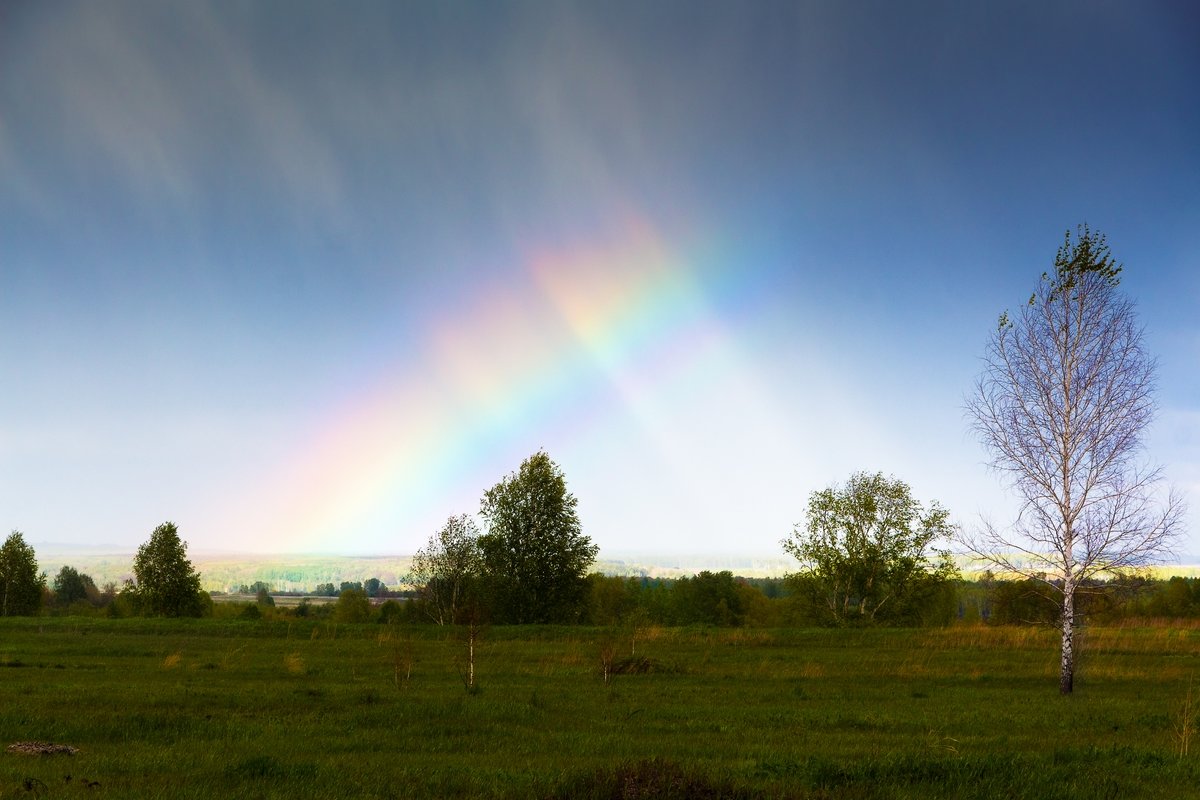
1066, 679
471, 657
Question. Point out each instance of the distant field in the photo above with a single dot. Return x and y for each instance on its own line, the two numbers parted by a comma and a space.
285, 573
301, 573
301, 709
290, 573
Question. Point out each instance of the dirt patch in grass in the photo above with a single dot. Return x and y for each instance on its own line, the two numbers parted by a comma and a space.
41, 749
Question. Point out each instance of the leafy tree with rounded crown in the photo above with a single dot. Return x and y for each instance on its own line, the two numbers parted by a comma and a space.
71, 585
535, 555
167, 585
20, 583
352, 606
1066, 394
866, 551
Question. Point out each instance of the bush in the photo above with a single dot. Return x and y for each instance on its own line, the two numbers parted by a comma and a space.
391, 612
353, 605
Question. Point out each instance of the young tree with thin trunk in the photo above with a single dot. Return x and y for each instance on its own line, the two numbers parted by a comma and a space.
446, 567
1064, 399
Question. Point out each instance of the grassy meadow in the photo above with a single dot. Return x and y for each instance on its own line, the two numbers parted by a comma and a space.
308, 709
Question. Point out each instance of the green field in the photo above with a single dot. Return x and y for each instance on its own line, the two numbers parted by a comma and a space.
305, 709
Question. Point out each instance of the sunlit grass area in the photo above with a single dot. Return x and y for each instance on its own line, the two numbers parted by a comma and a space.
205, 708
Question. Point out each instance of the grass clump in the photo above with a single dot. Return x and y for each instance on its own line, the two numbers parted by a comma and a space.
641, 665
649, 779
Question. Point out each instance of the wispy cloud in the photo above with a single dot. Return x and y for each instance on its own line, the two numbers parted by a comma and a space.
168, 106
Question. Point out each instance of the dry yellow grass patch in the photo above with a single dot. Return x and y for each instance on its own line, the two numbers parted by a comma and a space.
811, 669
172, 661
989, 637
293, 663
746, 636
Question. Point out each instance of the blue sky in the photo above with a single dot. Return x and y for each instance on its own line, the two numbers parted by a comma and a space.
305, 277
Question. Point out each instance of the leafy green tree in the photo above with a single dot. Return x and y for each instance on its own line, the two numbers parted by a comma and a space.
535, 555
866, 552
392, 612
447, 569
71, 586
21, 585
1173, 598
263, 597
167, 585
374, 587
352, 605
710, 598
610, 599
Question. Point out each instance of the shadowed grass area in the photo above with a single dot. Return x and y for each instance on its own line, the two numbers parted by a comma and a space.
204, 708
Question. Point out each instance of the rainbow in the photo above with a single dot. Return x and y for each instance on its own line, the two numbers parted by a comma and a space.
580, 335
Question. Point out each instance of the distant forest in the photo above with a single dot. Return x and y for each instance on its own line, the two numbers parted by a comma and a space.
707, 598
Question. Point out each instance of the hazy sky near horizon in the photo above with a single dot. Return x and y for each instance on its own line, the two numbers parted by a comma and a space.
311, 277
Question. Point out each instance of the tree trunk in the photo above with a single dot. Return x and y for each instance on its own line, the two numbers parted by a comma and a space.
471, 633
1066, 679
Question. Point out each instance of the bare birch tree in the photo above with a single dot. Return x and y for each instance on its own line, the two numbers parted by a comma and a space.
1063, 401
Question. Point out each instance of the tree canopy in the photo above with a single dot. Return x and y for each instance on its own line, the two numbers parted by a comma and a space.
447, 568
167, 585
70, 586
535, 555
20, 583
866, 551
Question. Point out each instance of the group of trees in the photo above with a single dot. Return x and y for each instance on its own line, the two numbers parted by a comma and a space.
531, 564
164, 584
1062, 404
373, 587
707, 598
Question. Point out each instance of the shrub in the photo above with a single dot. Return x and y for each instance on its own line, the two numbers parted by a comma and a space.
353, 606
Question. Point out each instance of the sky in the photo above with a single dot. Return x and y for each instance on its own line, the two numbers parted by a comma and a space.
311, 277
